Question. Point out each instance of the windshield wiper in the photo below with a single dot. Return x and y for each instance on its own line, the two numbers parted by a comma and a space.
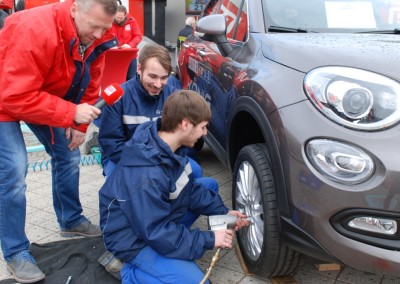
395, 31
288, 30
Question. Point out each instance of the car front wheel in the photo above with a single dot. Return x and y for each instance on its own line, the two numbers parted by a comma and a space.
254, 194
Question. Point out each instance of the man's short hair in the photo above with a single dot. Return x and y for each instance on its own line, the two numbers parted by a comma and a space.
184, 104
110, 6
122, 8
153, 50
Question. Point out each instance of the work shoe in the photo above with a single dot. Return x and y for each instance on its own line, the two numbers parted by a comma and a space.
23, 268
84, 229
92, 142
111, 263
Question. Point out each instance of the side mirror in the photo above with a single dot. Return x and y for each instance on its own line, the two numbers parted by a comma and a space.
19, 5
214, 29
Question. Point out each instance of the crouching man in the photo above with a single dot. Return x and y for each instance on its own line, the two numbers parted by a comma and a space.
143, 201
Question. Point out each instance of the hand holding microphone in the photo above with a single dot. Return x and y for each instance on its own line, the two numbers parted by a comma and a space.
110, 95
86, 113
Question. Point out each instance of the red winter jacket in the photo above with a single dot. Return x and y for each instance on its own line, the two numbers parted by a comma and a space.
42, 75
128, 33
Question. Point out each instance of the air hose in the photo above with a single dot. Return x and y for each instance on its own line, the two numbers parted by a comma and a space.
213, 263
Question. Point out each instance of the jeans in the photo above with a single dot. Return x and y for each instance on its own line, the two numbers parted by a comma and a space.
150, 267
13, 170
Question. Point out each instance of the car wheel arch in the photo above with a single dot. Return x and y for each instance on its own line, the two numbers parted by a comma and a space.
247, 109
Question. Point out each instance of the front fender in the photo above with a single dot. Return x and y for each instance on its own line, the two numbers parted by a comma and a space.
249, 124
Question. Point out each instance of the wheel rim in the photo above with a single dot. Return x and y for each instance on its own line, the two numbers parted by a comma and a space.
249, 201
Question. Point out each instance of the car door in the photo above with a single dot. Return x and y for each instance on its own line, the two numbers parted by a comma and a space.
207, 70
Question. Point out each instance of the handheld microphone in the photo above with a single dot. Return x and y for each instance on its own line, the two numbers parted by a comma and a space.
109, 95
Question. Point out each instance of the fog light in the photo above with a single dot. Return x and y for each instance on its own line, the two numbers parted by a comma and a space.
349, 163
374, 225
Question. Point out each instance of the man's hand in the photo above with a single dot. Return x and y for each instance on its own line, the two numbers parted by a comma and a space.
86, 113
77, 138
126, 46
224, 238
242, 220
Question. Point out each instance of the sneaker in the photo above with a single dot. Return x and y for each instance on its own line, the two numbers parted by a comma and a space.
23, 268
92, 142
85, 229
112, 264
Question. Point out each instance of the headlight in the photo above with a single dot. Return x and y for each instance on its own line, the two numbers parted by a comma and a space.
340, 162
354, 98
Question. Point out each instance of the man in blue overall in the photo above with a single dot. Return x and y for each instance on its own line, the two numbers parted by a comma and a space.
144, 201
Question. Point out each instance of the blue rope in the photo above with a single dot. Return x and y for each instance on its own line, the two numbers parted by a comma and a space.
46, 165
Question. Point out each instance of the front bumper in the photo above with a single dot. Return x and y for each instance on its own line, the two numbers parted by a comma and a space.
319, 205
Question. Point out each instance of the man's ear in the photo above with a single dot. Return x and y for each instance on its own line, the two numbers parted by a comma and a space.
74, 10
185, 124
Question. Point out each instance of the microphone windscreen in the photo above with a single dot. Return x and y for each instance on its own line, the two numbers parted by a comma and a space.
112, 93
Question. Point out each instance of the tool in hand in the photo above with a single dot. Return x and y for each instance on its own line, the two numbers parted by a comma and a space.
220, 222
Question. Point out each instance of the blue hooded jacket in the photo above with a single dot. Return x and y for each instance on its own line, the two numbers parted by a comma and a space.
119, 121
146, 196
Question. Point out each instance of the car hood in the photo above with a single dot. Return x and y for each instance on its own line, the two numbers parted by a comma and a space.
373, 52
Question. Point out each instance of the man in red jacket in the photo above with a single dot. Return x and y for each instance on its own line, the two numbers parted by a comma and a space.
51, 62
128, 34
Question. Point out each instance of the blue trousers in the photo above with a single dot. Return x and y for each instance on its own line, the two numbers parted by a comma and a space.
13, 170
149, 267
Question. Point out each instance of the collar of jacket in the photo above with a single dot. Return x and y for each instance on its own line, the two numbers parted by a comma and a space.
148, 149
68, 33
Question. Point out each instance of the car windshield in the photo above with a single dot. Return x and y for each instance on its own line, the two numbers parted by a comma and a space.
346, 16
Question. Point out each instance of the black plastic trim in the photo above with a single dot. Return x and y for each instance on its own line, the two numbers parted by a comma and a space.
302, 242
340, 220
248, 105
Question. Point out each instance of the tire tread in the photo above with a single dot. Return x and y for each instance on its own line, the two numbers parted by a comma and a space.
276, 259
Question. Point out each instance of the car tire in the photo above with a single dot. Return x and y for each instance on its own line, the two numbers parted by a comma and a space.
254, 193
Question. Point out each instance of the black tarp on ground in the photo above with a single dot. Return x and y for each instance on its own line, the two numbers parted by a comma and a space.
76, 258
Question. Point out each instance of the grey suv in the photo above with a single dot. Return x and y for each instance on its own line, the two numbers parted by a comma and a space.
305, 98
